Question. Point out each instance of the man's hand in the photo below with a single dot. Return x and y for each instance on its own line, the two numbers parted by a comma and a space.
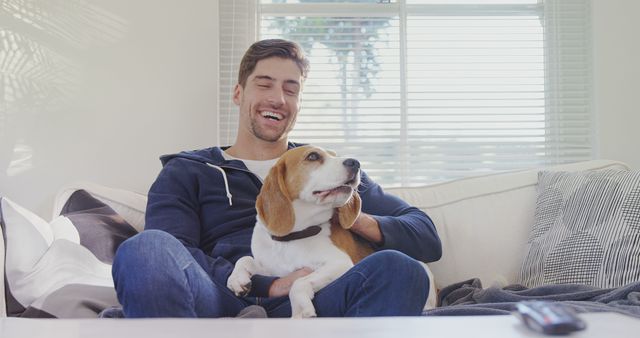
281, 286
367, 227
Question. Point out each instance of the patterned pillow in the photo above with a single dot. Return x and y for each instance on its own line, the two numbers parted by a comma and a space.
586, 230
61, 269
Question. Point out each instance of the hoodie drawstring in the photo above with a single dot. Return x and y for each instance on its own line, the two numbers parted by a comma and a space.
226, 183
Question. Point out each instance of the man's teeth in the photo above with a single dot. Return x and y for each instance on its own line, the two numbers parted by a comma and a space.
272, 115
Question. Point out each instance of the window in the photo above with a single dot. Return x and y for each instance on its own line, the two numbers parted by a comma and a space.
428, 90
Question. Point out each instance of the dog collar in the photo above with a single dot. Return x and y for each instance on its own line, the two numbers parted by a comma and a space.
308, 232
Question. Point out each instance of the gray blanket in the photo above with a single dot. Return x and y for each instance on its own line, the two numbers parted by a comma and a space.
469, 298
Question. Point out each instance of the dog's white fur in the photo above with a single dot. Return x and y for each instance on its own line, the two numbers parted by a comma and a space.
306, 187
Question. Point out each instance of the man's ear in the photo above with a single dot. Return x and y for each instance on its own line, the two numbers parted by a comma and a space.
274, 203
348, 213
237, 93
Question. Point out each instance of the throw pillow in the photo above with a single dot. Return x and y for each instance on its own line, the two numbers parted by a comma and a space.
61, 269
586, 230
99, 228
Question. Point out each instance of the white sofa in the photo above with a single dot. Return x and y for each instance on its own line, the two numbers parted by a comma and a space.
483, 221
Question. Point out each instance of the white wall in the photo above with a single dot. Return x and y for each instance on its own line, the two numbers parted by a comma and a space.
96, 90
616, 32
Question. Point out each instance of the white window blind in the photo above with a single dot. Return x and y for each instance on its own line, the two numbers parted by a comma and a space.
238, 26
424, 91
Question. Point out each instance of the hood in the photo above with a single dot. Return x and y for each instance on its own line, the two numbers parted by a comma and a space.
214, 159
211, 155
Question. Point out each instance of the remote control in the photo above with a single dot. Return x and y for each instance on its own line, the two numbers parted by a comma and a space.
549, 317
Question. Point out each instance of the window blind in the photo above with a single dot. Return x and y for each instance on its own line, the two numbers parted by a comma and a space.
424, 91
237, 32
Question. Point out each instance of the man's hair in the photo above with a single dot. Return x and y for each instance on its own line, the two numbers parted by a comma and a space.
268, 48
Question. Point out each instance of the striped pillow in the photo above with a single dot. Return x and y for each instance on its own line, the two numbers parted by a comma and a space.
586, 231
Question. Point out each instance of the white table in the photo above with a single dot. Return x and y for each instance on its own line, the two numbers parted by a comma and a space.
608, 325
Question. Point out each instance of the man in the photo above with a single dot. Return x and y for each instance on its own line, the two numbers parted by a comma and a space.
204, 203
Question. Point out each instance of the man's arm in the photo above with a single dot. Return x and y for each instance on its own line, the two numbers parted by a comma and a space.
281, 286
390, 223
173, 206
367, 227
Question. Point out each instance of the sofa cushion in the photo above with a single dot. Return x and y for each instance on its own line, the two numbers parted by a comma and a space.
484, 221
586, 229
63, 268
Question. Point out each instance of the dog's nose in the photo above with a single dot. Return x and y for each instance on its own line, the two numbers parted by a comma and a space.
351, 163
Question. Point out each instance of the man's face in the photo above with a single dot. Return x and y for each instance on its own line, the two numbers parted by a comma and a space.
270, 100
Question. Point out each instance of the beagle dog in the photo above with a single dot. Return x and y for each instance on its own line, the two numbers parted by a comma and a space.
305, 189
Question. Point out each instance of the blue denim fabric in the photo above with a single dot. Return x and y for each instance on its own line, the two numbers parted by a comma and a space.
155, 276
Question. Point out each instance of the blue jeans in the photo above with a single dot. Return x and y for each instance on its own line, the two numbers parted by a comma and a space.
155, 276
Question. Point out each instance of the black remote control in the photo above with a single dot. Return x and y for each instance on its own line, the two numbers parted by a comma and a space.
547, 317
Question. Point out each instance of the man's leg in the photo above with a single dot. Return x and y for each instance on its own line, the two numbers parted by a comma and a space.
386, 283
156, 276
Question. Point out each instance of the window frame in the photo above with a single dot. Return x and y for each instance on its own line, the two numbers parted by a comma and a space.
547, 10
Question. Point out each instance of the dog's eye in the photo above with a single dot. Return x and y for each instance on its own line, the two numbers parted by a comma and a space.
313, 156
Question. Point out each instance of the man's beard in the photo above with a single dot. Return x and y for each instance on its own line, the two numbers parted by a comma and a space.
264, 135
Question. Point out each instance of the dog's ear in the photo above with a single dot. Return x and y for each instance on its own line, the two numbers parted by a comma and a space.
274, 203
348, 213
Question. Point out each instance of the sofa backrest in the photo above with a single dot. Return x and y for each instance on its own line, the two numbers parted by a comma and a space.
484, 221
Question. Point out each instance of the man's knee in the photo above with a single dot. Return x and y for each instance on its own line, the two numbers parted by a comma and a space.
397, 268
143, 243
142, 251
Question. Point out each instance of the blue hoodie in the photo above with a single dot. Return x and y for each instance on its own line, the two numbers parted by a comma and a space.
208, 203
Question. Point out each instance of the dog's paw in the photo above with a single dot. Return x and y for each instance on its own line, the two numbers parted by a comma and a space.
303, 311
301, 296
239, 283
240, 289
240, 279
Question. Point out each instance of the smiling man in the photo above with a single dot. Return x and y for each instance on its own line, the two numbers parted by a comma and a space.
201, 213
269, 100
